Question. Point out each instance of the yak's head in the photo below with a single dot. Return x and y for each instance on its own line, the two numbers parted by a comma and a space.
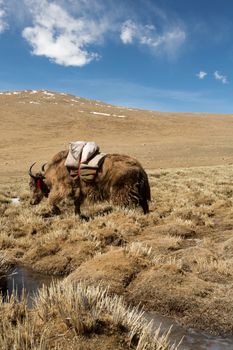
37, 185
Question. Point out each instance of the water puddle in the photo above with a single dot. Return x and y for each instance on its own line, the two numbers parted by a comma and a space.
192, 340
24, 279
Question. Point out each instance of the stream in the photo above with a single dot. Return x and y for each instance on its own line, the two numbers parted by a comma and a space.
192, 339
21, 278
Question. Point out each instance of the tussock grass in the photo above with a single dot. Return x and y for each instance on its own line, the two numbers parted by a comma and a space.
139, 249
143, 251
87, 234
4, 264
187, 234
214, 265
66, 312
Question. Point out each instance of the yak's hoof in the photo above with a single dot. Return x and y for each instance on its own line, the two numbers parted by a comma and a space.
84, 217
47, 215
50, 214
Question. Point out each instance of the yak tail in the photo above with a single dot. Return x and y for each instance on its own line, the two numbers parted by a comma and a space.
144, 192
144, 187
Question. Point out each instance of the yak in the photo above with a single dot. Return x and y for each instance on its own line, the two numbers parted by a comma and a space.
120, 180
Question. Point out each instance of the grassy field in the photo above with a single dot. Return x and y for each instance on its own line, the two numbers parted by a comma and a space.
177, 260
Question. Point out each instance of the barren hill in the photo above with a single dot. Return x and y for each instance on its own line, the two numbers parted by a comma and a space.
37, 124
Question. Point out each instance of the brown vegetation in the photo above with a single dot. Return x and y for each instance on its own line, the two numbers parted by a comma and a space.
76, 316
177, 260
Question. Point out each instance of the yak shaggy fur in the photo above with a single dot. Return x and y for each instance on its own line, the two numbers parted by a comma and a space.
120, 179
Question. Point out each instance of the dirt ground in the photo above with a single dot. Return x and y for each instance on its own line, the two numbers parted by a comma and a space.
177, 260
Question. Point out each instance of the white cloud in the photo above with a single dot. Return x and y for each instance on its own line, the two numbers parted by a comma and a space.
222, 78
65, 31
201, 75
3, 24
128, 32
61, 37
169, 40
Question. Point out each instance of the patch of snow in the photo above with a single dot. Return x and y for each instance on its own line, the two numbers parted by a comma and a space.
119, 116
74, 100
11, 93
33, 92
34, 102
62, 93
47, 93
100, 113
109, 115
15, 201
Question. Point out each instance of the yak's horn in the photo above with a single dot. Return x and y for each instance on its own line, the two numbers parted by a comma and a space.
43, 167
30, 171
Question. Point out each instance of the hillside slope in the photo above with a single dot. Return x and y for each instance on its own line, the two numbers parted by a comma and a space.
37, 124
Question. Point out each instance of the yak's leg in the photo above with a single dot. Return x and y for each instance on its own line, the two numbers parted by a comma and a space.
78, 200
144, 204
53, 199
55, 210
77, 205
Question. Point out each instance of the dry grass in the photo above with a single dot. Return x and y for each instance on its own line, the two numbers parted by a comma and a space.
183, 247
66, 313
220, 266
4, 264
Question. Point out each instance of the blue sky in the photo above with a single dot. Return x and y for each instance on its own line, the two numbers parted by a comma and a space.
168, 55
